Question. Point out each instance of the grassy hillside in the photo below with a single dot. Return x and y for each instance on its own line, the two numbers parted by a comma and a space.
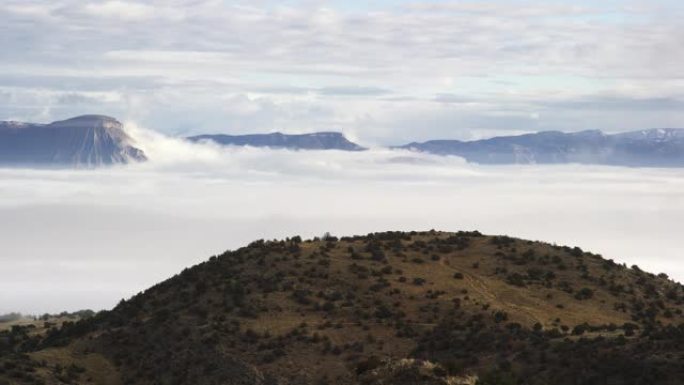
386, 308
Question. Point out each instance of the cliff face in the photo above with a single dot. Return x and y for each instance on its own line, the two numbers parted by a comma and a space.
84, 141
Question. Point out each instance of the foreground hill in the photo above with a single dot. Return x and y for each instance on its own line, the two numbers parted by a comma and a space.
313, 141
386, 308
647, 148
83, 141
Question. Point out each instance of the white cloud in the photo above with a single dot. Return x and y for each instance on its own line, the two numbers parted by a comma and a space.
120, 9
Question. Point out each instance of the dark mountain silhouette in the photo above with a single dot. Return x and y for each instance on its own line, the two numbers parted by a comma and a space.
313, 141
647, 148
386, 308
84, 141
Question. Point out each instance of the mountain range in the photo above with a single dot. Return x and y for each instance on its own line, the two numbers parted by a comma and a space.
399, 308
95, 140
646, 148
84, 141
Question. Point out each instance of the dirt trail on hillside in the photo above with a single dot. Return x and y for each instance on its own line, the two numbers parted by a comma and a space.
478, 285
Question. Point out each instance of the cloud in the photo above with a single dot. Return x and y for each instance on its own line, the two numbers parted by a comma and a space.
620, 103
86, 238
353, 91
120, 9
172, 151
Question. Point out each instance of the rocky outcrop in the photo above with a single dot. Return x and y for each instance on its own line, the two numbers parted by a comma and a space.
413, 372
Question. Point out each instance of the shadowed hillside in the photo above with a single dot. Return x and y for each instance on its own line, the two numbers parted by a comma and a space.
386, 308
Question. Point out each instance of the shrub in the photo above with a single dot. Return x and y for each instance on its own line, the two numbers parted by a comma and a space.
580, 329
584, 293
500, 316
516, 279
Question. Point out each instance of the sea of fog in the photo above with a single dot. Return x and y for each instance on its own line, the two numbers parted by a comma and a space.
73, 239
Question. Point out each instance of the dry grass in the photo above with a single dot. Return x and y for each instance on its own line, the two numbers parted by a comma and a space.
98, 369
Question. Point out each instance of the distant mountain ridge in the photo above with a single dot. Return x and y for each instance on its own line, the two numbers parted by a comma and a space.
83, 141
312, 141
96, 140
644, 148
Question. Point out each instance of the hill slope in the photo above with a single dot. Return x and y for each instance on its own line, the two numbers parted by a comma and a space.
386, 308
647, 148
313, 141
88, 140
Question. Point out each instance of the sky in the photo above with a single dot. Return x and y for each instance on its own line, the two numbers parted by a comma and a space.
383, 72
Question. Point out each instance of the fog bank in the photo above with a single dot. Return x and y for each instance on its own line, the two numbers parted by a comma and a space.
72, 239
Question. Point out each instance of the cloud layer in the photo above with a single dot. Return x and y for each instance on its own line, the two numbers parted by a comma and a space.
75, 239
388, 73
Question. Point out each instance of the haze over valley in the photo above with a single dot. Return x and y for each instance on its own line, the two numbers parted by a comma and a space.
192, 200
